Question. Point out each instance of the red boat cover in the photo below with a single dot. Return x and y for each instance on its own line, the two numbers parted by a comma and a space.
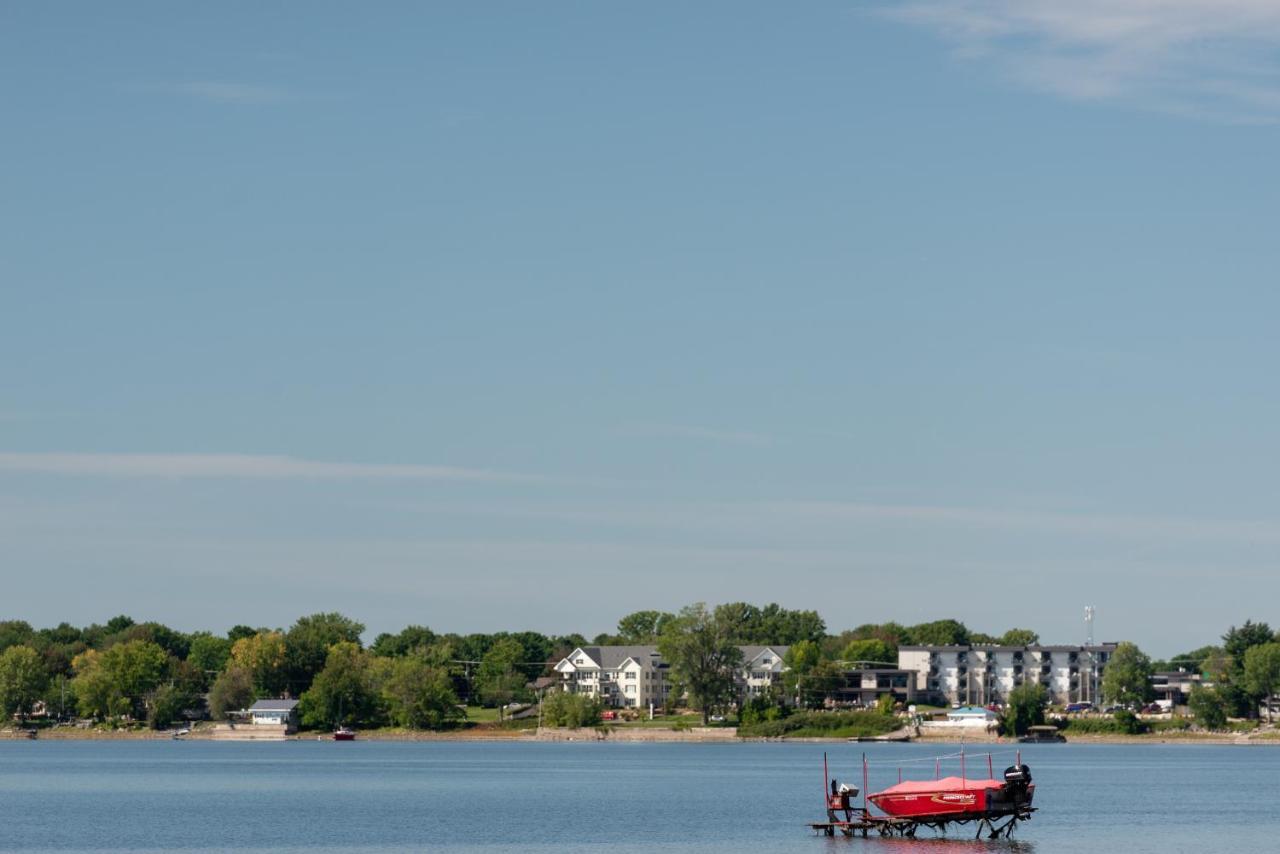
946, 784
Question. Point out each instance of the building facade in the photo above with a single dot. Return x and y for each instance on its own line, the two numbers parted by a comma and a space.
636, 676
981, 675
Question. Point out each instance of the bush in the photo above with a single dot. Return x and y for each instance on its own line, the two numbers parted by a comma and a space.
822, 725
562, 709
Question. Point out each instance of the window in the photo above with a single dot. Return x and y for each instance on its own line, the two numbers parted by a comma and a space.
766, 661
631, 674
577, 661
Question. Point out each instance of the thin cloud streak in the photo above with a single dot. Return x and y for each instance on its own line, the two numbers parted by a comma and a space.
691, 431
1206, 58
223, 92
235, 466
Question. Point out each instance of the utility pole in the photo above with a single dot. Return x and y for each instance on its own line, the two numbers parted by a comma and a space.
1089, 611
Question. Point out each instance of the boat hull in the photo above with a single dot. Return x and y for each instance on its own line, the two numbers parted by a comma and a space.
976, 801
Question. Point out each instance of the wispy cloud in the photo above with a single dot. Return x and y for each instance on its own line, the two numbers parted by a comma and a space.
235, 466
224, 92
1208, 58
690, 431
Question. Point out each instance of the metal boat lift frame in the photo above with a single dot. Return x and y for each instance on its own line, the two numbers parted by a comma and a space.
858, 821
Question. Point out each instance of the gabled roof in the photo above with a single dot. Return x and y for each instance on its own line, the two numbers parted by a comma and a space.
751, 653
613, 657
274, 706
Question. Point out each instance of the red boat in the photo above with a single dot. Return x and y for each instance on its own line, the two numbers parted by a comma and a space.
959, 796
344, 734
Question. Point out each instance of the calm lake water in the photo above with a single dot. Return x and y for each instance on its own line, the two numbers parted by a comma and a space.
580, 797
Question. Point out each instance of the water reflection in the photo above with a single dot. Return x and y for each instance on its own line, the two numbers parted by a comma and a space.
933, 845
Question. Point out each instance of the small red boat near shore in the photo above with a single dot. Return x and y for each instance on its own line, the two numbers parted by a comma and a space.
344, 734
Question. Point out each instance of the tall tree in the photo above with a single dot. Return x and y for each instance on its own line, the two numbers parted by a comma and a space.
642, 626
262, 656
343, 691
704, 658
1019, 637
16, 633
1127, 678
420, 696
404, 642
22, 679
872, 651
1024, 709
939, 633
231, 691
1262, 673
307, 645
499, 679
208, 656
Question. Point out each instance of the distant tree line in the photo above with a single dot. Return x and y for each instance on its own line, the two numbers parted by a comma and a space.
129, 671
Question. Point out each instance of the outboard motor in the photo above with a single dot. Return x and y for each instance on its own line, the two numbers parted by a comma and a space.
1016, 775
1017, 788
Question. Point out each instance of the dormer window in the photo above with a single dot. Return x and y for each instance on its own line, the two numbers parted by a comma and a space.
766, 661
577, 661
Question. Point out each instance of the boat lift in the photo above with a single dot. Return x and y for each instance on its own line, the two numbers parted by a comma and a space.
845, 818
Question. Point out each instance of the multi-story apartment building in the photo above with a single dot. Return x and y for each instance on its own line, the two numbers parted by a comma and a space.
981, 675
636, 676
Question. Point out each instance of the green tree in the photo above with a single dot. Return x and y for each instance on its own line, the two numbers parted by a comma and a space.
1024, 708
821, 683
22, 679
208, 655
16, 633
420, 696
235, 633
642, 626
231, 691
1237, 641
343, 691
262, 655
800, 661
1127, 678
871, 650
939, 633
704, 657
1208, 707
307, 645
119, 680
403, 643
1019, 637
1262, 673
499, 679
168, 703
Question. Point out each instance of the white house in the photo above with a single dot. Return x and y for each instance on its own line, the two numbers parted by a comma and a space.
275, 713
620, 676
761, 669
635, 676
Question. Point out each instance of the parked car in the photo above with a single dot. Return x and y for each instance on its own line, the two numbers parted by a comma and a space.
1074, 708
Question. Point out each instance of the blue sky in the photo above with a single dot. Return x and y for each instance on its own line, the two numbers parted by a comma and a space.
531, 315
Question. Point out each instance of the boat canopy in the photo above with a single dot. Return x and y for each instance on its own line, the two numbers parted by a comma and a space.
946, 784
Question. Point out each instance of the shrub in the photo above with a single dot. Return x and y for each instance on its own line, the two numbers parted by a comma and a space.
562, 709
822, 725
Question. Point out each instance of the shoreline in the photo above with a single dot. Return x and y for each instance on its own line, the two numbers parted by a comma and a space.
638, 735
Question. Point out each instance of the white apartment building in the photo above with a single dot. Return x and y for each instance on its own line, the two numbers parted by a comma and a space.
635, 676
980, 675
